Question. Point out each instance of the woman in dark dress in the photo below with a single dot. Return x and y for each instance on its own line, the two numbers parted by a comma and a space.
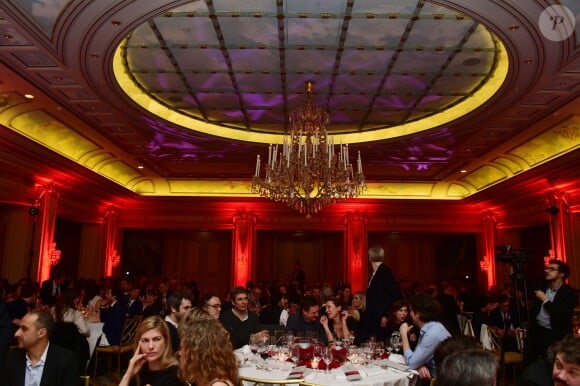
338, 325
153, 362
399, 314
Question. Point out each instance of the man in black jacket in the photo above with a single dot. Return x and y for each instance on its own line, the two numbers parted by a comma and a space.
552, 313
36, 361
382, 291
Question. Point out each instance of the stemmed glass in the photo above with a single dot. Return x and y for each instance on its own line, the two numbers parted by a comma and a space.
368, 351
317, 355
254, 344
396, 342
379, 350
264, 351
295, 354
327, 357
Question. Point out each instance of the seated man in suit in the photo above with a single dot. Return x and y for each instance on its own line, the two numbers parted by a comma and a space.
134, 305
113, 316
504, 321
38, 362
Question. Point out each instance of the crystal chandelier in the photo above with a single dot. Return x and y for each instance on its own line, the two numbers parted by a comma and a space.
310, 171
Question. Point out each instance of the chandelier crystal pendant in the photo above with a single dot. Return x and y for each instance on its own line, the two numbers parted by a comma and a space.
310, 171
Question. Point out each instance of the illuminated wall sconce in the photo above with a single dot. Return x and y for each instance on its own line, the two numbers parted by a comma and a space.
54, 254
115, 258
483, 265
549, 257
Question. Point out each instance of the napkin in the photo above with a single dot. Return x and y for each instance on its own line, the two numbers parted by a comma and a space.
397, 358
394, 365
242, 352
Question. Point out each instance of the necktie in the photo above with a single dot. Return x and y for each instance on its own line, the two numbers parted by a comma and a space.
506, 321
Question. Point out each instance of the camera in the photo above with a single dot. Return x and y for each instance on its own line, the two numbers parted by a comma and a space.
517, 257
507, 254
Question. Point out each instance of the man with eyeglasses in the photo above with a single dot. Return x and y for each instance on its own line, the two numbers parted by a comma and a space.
552, 312
212, 305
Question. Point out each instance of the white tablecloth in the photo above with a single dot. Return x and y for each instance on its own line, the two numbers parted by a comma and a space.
371, 376
96, 332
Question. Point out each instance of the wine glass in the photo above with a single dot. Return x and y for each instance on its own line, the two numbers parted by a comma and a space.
254, 343
379, 350
264, 352
317, 354
295, 354
396, 342
327, 357
368, 351
289, 340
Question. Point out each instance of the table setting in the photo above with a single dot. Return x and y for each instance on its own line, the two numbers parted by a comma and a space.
309, 362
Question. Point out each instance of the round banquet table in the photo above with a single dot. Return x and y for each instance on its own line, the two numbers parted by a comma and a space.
372, 375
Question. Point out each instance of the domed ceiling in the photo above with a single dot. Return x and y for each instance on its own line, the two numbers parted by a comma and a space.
443, 99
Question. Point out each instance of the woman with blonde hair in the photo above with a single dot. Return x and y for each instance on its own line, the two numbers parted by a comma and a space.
358, 306
153, 362
207, 356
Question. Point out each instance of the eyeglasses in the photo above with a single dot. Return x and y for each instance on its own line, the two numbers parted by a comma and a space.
550, 269
216, 306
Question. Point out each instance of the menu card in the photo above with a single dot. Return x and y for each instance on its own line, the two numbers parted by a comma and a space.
299, 372
351, 372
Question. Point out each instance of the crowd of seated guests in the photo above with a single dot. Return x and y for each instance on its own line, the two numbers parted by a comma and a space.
331, 312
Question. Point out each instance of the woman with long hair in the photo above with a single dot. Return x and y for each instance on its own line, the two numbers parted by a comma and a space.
398, 314
66, 311
337, 324
207, 356
153, 362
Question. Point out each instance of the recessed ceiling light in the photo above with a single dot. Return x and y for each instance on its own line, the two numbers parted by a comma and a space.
28, 96
463, 171
140, 167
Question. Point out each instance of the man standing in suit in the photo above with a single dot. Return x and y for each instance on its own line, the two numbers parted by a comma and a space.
382, 291
52, 288
37, 362
552, 314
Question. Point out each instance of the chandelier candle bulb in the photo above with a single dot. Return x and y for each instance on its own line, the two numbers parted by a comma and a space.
257, 166
270, 155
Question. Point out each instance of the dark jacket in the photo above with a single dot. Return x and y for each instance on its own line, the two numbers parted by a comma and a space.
382, 292
300, 327
560, 310
60, 369
113, 318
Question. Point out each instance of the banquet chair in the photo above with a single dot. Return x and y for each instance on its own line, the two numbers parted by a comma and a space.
85, 380
127, 345
511, 359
